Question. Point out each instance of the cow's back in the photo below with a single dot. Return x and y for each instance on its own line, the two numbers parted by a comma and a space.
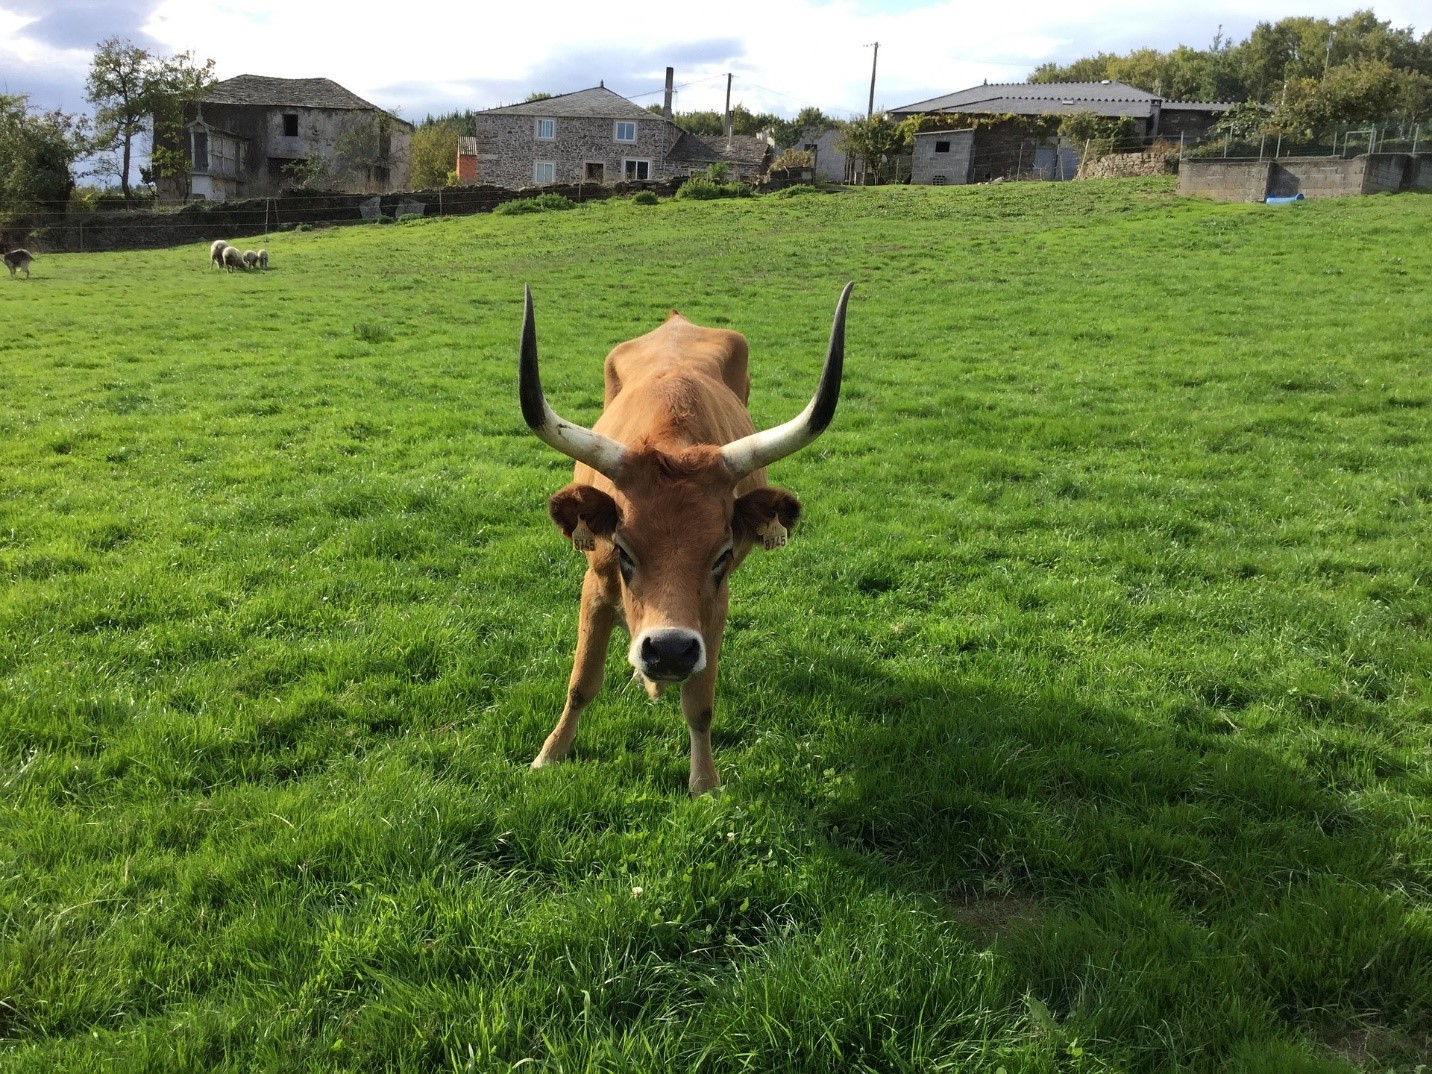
679, 346
680, 383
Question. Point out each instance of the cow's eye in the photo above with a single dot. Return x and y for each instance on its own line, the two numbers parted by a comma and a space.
722, 565
628, 565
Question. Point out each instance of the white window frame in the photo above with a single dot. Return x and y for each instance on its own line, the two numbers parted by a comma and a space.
626, 169
551, 128
617, 131
537, 180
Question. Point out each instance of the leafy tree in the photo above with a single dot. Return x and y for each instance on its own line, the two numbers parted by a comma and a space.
37, 154
433, 151
788, 133
116, 87
135, 92
537, 95
876, 140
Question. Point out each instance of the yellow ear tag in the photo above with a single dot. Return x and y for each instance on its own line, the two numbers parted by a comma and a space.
773, 534
583, 539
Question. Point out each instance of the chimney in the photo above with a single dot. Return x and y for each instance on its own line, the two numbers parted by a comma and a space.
666, 105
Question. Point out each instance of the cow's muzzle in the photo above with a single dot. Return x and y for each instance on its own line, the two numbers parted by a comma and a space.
668, 654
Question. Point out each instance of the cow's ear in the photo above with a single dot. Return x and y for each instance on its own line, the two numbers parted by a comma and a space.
765, 515
582, 513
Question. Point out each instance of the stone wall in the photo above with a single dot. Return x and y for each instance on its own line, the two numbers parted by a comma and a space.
200, 222
1128, 166
508, 148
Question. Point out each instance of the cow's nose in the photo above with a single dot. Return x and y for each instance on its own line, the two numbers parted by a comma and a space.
670, 654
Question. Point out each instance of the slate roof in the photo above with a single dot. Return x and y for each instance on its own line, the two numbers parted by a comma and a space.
740, 149
595, 103
287, 93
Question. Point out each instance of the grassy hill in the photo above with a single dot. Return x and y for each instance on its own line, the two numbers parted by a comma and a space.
1085, 724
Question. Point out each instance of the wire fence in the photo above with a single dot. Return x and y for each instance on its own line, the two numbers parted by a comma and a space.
57, 227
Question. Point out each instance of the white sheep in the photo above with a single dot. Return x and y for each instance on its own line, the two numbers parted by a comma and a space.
19, 259
263, 260
233, 259
251, 259
216, 252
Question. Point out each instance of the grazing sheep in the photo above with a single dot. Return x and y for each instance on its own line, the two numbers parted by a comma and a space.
216, 252
233, 259
263, 260
19, 259
251, 259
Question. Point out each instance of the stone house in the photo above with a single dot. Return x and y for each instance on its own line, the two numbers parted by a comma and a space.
249, 135
988, 152
595, 136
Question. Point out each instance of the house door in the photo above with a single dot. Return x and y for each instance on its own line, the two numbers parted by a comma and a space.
596, 172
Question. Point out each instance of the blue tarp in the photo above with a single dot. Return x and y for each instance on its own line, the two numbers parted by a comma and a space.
1283, 201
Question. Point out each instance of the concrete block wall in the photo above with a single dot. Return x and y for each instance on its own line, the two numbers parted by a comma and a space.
1224, 180
1312, 177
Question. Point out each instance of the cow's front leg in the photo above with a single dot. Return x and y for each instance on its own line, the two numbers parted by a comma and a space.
698, 701
594, 631
698, 697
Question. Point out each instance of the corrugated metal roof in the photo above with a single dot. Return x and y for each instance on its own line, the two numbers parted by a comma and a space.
595, 103
1055, 98
1030, 97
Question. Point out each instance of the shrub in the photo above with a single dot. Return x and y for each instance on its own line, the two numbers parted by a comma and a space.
411, 218
645, 197
539, 204
793, 160
700, 188
796, 191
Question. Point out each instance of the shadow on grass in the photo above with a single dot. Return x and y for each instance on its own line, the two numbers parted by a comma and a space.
1158, 880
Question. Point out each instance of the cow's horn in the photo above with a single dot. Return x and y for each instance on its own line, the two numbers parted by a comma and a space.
750, 453
601, 453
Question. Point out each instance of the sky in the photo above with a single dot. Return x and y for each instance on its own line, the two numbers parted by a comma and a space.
426, 58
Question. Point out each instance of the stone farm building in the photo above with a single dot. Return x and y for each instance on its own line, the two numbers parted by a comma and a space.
595, 136
248, 132
975, 155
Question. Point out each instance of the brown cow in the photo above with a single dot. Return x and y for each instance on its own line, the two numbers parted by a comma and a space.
668, 496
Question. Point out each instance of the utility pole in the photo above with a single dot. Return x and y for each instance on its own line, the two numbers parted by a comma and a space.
870, 108
728, 108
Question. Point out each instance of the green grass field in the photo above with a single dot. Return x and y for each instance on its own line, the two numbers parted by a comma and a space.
1085, 724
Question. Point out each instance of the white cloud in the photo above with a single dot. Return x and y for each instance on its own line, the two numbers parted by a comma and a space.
429, 57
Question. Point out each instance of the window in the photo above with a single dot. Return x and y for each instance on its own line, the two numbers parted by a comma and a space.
546, 130
626, 130
290, 124
636, 169
942, 147
225, 155
596, 172
544, 172
201, 151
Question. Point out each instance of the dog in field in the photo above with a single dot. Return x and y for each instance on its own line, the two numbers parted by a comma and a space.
18, 261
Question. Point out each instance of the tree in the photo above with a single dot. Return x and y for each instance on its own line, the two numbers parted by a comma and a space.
434, 152
135, 92
787, 133
37, 153
115, 87
876, 140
